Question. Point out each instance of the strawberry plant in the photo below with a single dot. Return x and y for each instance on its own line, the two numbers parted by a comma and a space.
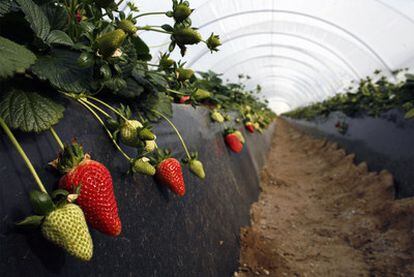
368, 97
91, 53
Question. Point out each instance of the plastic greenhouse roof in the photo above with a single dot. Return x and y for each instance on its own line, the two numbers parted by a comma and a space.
299, 51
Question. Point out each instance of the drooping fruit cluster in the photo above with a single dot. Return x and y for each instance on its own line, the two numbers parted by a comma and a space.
96, 196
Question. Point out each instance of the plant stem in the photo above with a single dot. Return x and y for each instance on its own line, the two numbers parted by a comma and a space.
149, 13
108, 106
147, 28
146, 63
176, 92
23, 155
176, 131
86, 105
57, 138
85, 100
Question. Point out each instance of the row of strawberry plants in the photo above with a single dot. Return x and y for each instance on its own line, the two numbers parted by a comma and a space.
89, 52
368, 97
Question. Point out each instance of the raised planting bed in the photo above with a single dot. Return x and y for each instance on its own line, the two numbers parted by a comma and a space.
384, 142
162, 235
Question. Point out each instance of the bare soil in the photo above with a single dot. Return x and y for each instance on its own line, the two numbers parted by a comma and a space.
319, 214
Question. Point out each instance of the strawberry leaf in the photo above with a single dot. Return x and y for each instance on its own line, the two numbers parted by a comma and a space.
36, 18
142, 49
29, 111
14, 57
61, 69
56, 14
59, 37
5, 7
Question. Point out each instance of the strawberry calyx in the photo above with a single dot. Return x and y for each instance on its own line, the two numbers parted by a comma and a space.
43, 204
71, 156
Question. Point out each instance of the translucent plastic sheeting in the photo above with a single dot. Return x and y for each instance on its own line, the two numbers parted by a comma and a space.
303, 50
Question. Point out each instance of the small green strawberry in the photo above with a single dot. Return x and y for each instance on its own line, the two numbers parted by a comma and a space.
146, 134
143, 166
127, 26
240, 136
201, 94
195, 165
181, 12
197, 168
184, 74
150, 145
187, 36
108, 43
213, 42
66, 227
129, 132
217, 116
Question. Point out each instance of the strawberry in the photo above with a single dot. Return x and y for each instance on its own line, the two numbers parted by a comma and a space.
129, 132
217, 117
197, 168
233, 142
146, 134
184, 99
166, 62
187, 36
184, 74
201, 94
96, 197
181, 12
240, 136
249, 127
108, 43
143, 166
169, 174
213, 42
66, 227
62, 223
127, 26
150, 145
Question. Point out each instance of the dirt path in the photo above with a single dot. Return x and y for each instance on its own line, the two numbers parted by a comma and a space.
321, 215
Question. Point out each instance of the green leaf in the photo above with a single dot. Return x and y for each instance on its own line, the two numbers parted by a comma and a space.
62, 70
29, 111
57, 16
5, 7
14, 57
132, 90
142, 49
31, 221
409, 114
41, 202
167, 27
36, 18
59, 37
160, 102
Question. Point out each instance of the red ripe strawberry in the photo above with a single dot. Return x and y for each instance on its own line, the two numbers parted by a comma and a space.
184, 99
234, 143
96, 196
250, 127
169, 174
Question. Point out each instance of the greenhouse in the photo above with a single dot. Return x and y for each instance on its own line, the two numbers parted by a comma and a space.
206, 138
